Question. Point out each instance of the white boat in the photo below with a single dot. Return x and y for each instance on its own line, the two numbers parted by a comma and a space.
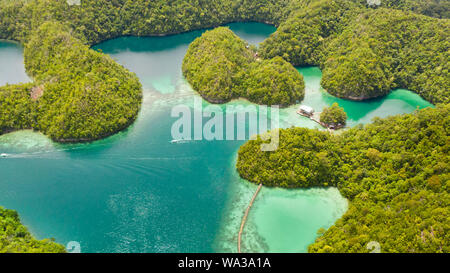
3, 155
176, 140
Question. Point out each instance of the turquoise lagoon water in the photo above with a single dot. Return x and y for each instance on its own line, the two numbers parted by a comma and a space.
12, 69
138, 192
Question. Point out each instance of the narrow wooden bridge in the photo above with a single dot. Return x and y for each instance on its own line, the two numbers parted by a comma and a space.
244, 219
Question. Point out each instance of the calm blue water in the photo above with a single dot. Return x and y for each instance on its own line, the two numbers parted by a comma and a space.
136, 191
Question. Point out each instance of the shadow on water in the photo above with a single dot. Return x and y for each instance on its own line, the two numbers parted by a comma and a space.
147, 44
252, 31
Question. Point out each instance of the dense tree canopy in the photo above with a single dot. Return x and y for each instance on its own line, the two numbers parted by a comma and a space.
86, 95
17, 110
388, 49
300, 39
98, 20
220, 66
215, 63
365, 53
395, 172
273, 82
333, 115
15, 238
433, 8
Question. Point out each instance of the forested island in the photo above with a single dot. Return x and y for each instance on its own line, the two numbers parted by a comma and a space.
395, 171
333, 116
221, 67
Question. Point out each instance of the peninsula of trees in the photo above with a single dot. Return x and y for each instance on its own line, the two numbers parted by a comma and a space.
221, 67
395, 173
15, 238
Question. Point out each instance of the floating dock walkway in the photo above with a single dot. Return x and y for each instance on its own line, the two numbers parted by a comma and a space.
244, 219
316, 118
313, 117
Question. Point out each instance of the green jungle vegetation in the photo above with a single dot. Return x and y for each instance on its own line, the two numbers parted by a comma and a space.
98, 20
397, 182
221, 67
392, 50
86, 94
394, 172
365, 53
17, 110
15, 238
333, 115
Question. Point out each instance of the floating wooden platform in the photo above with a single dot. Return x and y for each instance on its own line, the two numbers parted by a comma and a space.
316, 118
313, 118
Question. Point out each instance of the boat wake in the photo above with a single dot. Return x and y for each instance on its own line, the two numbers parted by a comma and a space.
29, 155
179, 141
